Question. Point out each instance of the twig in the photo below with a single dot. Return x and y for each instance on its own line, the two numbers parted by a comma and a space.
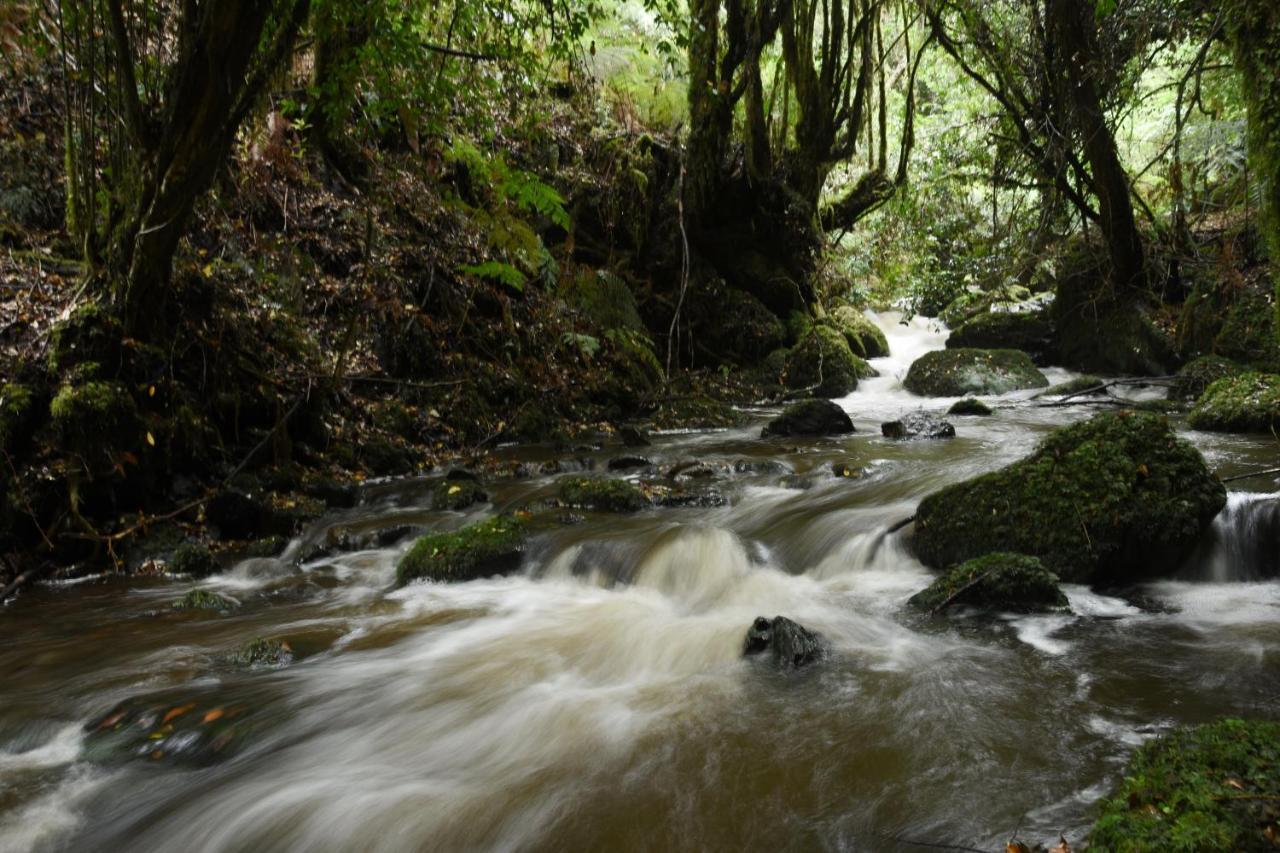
684, 268
950, 599
1268, 472
1137, 380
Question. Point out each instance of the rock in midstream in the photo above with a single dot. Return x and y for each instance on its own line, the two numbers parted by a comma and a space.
792, 645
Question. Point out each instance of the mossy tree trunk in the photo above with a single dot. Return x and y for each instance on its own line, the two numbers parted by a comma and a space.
1254, 28
1075, 28
179, 136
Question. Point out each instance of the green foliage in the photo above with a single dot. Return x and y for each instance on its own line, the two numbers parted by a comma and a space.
498, 271
94, 415
487, 547
1211, 787
1103, 501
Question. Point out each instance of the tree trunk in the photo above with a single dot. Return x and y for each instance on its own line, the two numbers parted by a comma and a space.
1074, 24
706, 142
1254, 29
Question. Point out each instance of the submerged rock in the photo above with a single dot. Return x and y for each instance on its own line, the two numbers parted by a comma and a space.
203, 599
918, 425
957, 372
1028, 331
999, 581
457, 494
969, 406
1211, 787
492, 547
791, 645
188, 728
1249, 402
260, 652
601, 493
1108, 500
625, 463
810, 417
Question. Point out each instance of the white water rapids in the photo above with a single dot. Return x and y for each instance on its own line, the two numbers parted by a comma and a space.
599, 700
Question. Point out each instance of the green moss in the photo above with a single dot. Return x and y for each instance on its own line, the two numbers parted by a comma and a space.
1248, 402
864, 337
17, 409
600, 493
973, 303
478, 550
735, 326
999, 581
1196, 376
1208, 788
90, 333
956, 372
604, 299
457, 494
1107, 500
823, 363
194, 559
94, 415
203, 599
263, 652
1094, 332
1029, 331
969, 406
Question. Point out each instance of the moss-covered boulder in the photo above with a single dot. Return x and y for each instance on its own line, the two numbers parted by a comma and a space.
1195, 377
1208, 788
491, 547
1096, 331
1108, 500
822, 363
734, 326
1075, 386
1029, 331
864, 337
604, 299
601, 493
973, 303
970, 406
1236, 323
95, 415
194, 559
957, 372
1000, 581
809, 417
203, 599
89, 334
1249, 402
263, 653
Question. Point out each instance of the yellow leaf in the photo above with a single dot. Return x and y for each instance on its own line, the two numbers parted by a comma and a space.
207, 270
151, 391
453, 490
151, 439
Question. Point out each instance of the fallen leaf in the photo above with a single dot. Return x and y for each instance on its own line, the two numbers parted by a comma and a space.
215, 714
1063, 846
151, 439
174, 713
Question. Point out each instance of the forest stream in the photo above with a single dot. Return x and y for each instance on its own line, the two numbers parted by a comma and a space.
599, 698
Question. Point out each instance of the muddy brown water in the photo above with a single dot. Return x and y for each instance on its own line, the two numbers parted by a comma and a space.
598, 700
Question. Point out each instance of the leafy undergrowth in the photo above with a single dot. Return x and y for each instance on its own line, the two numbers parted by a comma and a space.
1209, 788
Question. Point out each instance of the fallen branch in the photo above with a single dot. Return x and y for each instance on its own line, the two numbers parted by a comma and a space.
23, 579
1111, 383
951, 599
1265, 473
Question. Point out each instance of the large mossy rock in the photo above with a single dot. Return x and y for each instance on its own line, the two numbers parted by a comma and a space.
1098, 332
1000, 581
1236, 323
1208, 788
601, 493
604, 299
822, 363
734, 326
865, 338
1195, 377
957, 372
809, 417
95, 416
1248, 402
492, 547
1029, 331
973, 303
1109, 500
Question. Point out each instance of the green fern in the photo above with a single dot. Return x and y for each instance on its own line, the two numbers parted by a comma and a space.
498, 271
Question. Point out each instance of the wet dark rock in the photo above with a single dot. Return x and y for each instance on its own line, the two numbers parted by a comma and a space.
456, 495
334, 493
203, 599
491, 547
270, 546
1000, 581
918, 425
810, 417
969, 406
758, 467
261, 652
235, 514
790, 645
624, 463
957, 372
1106, 501
198, 728
462, 474
193, 559
683, 497
847, 470
686, 471
633, 437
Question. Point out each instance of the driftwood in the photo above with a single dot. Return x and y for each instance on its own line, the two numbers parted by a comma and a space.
1105, 386
1264, 473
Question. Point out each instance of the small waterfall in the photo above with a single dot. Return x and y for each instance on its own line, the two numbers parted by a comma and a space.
1244, 542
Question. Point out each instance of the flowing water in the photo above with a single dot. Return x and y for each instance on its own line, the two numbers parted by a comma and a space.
599, 699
